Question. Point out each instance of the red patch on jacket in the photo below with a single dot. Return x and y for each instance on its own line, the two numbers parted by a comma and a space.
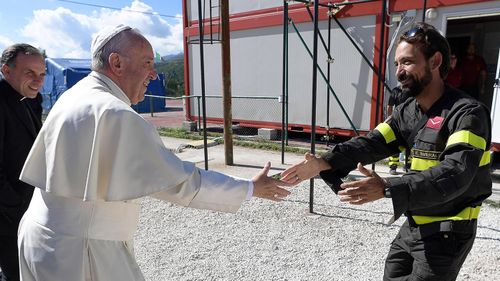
434, 122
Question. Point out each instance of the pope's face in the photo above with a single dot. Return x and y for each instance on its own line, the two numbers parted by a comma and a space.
138, 71
26, 75
412, 69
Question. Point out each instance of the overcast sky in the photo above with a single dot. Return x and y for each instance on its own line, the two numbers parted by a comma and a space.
65, 28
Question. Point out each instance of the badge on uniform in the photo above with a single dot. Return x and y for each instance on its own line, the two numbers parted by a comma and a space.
434, 122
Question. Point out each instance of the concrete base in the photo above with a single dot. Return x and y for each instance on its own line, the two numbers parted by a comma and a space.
190, 126
269, 134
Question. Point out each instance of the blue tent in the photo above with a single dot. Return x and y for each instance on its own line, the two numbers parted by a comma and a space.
62, 74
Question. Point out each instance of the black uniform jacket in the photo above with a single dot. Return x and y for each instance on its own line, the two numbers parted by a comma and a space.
17, 134
450, 166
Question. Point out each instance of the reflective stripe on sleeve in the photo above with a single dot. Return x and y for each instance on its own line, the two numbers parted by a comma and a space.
485, 159
419, 164
468, 213
386, 132
472, 139
467, 137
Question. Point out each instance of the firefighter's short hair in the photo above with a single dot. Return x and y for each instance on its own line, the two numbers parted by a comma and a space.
429, 41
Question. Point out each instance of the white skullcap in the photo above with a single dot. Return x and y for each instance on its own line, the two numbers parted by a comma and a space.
104, 36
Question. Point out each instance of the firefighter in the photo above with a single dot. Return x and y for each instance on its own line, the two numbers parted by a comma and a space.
449, 136
396, 98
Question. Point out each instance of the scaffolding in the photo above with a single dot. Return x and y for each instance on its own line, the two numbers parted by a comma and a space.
219, 26
333, 9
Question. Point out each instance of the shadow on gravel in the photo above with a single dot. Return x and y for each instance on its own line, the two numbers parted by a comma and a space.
356, 219
487, 238
373, 212
257, 167
489, 228
337, 207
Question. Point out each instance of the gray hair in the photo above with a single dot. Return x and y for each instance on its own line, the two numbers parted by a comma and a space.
120, 43
10, 54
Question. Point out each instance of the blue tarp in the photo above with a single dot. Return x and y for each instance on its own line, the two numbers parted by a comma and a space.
62, 74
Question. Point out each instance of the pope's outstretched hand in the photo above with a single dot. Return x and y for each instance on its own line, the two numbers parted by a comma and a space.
267, 187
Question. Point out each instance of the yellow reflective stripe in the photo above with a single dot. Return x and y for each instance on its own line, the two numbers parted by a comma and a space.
485, 159
468, 213
467, 137
386, 132
418, 164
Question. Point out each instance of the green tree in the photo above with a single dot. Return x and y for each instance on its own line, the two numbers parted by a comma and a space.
173, 69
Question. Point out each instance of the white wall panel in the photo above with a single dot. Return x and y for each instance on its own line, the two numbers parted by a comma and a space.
235, 6
257, 71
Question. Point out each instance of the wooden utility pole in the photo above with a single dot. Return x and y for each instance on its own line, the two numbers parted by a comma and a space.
226, 82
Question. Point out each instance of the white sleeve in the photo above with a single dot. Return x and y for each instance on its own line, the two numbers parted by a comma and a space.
216, 191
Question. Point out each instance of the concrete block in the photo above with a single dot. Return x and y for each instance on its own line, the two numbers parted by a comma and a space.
268, 134
190, 126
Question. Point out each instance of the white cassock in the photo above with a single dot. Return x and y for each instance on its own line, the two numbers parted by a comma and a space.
93, 157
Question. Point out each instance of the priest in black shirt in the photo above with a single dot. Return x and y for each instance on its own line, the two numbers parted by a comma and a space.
23, 71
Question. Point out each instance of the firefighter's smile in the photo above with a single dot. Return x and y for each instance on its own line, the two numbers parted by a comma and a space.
405, 79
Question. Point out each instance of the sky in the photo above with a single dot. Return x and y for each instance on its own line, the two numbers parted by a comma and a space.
64, 28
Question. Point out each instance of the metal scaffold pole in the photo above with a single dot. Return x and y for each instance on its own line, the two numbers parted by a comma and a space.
284, 105
202, 78
316, 68
381, 63
328, 69
313, 105
423, 10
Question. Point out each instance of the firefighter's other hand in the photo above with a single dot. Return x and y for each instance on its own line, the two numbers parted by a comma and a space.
363, 191
304, 170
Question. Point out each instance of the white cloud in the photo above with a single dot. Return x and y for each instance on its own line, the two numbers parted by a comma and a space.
63, 33
5, 42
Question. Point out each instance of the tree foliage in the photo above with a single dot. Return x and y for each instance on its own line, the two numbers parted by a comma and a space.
173, 69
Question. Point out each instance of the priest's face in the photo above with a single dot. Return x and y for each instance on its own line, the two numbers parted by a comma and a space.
26, 75
138, 71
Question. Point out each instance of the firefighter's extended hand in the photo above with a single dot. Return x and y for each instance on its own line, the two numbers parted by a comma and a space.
365, 190
304, 170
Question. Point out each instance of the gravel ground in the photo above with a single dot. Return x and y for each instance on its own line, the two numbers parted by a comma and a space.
282, 241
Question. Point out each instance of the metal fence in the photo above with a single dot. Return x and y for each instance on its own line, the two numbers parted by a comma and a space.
249, 114
250, 110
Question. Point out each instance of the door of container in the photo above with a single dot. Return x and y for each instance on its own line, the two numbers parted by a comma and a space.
495, 107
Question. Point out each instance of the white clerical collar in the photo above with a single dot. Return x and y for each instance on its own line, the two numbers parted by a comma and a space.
113, 88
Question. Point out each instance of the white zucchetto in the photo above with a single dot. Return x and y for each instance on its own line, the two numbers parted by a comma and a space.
105, 35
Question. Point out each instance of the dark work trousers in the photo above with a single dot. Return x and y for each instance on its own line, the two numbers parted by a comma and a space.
431, 253
9, 261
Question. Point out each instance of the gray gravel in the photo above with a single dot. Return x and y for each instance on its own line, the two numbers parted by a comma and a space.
283, 241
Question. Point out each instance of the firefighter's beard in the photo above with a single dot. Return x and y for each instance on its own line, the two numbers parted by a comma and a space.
411, 85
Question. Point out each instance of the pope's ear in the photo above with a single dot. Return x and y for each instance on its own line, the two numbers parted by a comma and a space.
115, 63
